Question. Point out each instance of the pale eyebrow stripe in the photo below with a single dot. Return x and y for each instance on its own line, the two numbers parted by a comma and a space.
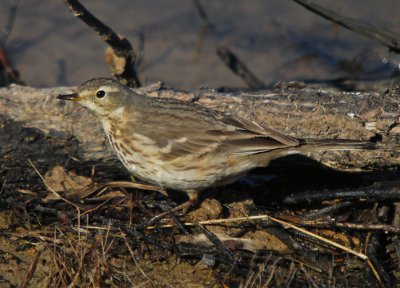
108, 89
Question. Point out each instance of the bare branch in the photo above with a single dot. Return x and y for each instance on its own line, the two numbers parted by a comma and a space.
122, 57
239, 68
387, 38
10, 22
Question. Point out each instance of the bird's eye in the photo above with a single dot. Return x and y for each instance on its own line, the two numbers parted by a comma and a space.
101, 93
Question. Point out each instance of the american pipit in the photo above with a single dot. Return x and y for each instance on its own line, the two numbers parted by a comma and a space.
184, 146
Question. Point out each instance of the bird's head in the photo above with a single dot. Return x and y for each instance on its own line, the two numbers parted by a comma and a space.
102, 96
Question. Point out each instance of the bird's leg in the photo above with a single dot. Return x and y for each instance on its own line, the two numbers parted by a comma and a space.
185, 206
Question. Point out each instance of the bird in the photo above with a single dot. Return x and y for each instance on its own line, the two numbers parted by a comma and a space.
184, 146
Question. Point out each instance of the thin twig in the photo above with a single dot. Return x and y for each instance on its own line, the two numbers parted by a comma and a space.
58, 195
326, 211
123, 184
316, 236
387, 38
239, 68
50, 188
217, 243
10, 22
140, 54
133, 257
204, 30
97, 207
202, 12
31, 270
9, 74
346, 225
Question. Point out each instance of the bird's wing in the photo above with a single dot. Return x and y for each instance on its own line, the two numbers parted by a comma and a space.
248, 137
202, 131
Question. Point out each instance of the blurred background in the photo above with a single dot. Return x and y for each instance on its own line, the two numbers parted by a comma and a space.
278, 40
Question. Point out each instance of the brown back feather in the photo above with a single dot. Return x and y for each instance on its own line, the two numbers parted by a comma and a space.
208, 130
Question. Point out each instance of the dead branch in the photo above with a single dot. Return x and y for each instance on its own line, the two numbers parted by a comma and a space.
387, 38
10, 22
377, 192
239, 68
204, 30
202, 12
343, 225
122, 56
8, 74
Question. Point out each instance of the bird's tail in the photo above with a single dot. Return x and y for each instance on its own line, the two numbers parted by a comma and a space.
314, 145
308, 145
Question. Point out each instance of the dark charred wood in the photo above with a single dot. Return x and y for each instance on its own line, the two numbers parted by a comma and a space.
372, 193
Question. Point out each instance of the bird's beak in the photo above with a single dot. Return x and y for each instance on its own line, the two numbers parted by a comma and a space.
72, 96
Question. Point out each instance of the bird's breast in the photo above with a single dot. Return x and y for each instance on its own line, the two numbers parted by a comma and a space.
142, 157
137, 153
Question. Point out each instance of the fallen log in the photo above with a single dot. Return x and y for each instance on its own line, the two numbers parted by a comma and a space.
35, 125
